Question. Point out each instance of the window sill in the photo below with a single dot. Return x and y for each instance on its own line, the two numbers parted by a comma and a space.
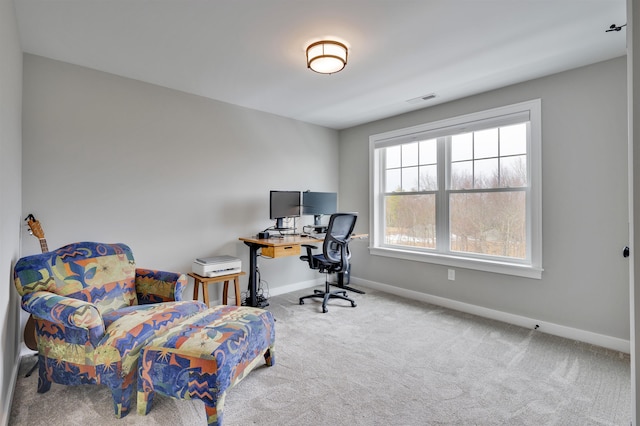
526, 271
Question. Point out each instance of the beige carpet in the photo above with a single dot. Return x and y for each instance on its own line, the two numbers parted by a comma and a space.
389, 361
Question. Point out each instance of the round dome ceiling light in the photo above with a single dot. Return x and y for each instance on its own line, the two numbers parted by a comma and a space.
326, 56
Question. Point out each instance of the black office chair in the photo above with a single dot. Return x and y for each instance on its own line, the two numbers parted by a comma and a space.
334, 258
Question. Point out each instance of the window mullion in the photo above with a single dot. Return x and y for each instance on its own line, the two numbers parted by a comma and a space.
442, 202
379, 203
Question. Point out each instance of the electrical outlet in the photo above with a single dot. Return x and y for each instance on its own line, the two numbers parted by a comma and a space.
451, 274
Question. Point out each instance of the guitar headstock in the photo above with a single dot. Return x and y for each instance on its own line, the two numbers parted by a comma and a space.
34, 227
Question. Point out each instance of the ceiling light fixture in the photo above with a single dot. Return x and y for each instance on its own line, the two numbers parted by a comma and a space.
326, 56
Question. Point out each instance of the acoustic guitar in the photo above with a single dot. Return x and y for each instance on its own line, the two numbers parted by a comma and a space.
30, 327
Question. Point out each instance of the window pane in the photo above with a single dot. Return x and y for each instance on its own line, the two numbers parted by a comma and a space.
462, 175
462, 147
428, 178
392, 157
410, 179
410, 154
513, 139
513, 171
491, 223
485, 143
429, 151
485, 173
410, 220
392, 181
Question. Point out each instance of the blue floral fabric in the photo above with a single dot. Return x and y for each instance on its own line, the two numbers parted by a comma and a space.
205, 356
94, 311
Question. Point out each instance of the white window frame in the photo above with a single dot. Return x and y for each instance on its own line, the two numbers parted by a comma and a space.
531, 267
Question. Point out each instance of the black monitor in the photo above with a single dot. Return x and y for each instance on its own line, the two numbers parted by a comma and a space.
283, 204
318, 204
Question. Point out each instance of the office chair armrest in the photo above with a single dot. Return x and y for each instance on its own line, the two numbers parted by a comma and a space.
309, 257
344, 257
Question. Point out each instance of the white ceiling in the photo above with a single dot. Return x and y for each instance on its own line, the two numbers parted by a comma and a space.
252, 52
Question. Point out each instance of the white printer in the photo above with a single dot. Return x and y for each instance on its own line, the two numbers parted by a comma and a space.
216, 266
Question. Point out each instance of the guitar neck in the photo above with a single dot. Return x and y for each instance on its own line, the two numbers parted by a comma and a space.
43, 245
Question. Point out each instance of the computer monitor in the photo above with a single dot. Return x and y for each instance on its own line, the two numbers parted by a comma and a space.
283, 204
318, 204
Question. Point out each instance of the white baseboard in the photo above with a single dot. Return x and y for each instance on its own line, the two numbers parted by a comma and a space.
602, 340
7, 403
25, 351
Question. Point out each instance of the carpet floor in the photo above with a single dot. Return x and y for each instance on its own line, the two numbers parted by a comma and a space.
389, 361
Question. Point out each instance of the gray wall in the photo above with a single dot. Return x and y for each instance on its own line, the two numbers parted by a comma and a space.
584, 148
10, 198
175, 176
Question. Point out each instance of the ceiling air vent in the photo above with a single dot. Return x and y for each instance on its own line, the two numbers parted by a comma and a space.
422, 98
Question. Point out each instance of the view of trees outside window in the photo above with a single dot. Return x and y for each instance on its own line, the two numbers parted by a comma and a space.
411, 187
491, 223
411, 220
486, 195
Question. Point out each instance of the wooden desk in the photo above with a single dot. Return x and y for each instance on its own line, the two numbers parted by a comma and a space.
205, 281
288, 245
276, 247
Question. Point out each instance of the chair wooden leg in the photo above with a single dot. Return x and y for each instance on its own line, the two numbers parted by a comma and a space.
205, 291
236, 283
225, 293
196, 287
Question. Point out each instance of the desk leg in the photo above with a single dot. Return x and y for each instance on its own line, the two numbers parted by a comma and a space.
253, 275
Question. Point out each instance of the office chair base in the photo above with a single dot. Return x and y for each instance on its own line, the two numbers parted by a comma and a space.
348, 288
326, 295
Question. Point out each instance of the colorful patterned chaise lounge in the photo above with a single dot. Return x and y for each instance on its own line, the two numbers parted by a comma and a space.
94, 311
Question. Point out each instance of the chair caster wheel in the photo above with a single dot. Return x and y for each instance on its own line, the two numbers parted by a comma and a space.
301, 302
353, 304
325, 310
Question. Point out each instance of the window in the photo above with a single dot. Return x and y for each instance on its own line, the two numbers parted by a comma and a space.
462, 192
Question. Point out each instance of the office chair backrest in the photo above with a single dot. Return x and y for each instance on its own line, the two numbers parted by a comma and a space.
336, 241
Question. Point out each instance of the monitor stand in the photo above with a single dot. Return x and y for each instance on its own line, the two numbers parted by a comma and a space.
280, 225
318, 227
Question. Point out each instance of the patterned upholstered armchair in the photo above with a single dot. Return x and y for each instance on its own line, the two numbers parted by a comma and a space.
94, 311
